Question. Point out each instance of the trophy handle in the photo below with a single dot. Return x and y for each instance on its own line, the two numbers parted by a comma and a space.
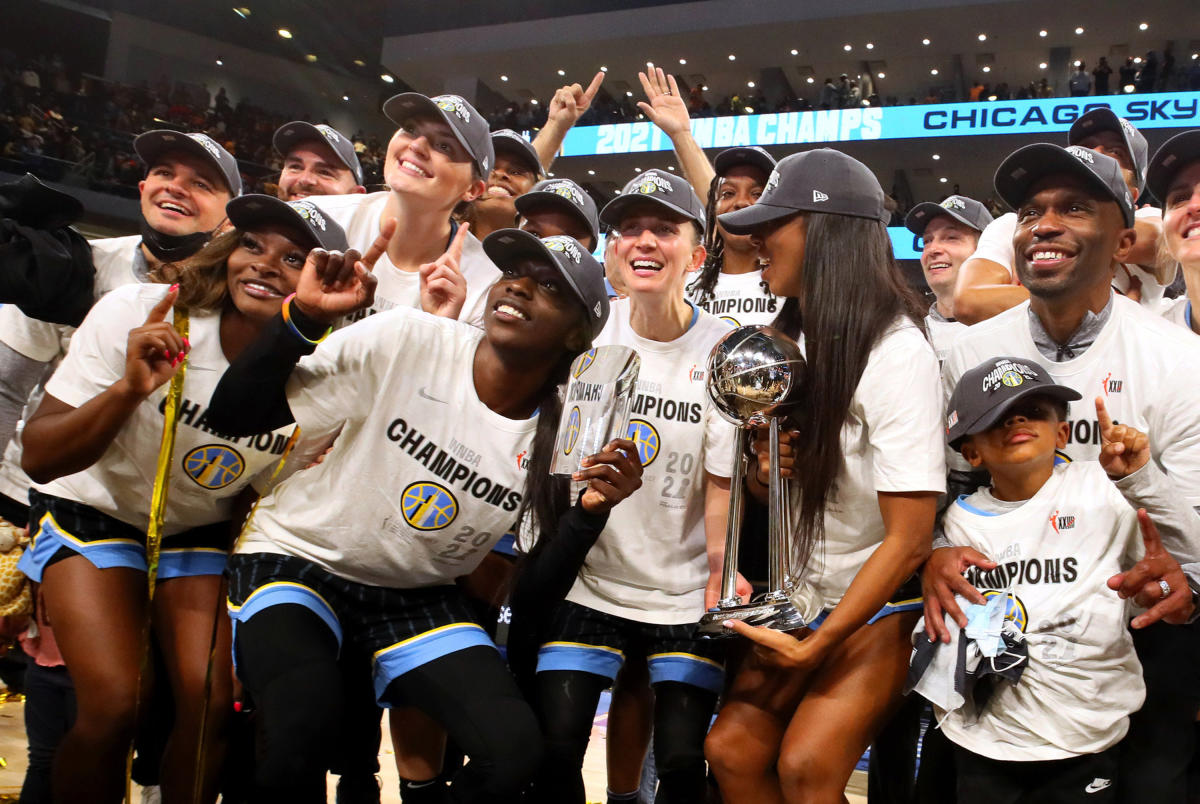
776, 570
733, 530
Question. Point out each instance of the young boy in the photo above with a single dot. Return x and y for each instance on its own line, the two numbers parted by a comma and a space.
1056, 533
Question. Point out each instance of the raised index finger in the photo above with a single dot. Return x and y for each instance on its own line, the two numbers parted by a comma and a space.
386, 230
1150, 537
456, 245
1106, 422
159, 311
593, 87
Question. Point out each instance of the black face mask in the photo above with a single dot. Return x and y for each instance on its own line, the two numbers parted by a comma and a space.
172, 248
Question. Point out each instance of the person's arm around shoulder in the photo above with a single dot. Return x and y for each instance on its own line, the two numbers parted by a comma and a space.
984, 289
666, 109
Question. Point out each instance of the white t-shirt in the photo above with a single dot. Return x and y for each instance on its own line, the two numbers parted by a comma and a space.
1179, 311
423, 477
113, 259
942, 334
1145, 367
650, 564
891, 442
1083, 678
996, 244
208, 469
359, 215
739, 299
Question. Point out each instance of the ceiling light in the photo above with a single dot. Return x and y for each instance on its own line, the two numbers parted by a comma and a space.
732, 57
937, 157
924, 41
637, 170
812, 80
1143, 26
359, 63
870, 45
750, 84
241, 11
933, 71
795, 52
603, 69
881, 75
670, 167
749, 109
220, 63
983, 37
1196, 55
345, 97
285, 33
551, 175
533, 101
591, 173
1128, 88
1137, 60
562, 72
504, 78
703, 88
1042, 65
1079, 30
1042, 33
310, 57
683, 61
387, 79
943, 179
987, 69
847, 48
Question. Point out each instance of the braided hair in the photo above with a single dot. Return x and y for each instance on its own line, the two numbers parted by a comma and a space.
701, 290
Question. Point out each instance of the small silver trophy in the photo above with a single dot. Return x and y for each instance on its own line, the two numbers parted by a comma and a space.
753, 374
599, 395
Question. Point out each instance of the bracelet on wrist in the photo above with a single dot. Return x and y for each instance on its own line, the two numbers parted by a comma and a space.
286, 311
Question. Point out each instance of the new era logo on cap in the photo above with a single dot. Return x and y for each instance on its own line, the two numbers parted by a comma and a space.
308, 211
772, 181
597, 310
563, 245
819, 196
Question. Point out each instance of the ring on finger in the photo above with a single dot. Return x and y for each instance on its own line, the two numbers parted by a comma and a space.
1164, 586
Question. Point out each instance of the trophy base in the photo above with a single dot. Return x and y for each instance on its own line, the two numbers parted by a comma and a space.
777, 614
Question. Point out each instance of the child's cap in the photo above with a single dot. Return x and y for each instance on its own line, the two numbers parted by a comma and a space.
985, 393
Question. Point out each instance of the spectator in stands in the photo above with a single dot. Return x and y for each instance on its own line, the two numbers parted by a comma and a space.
1101, 74
1080, 83
829, 95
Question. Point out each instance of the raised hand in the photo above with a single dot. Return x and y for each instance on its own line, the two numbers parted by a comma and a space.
941, 577
665, 108
333, 284
1144, 581
570, 102
1123, 449
154, 350
443, 287
612, 474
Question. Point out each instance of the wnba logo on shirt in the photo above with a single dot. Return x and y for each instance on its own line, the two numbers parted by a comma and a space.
1061, 523
523, 459
643, 434
213, 466
696, 374
428, 506
1110, 386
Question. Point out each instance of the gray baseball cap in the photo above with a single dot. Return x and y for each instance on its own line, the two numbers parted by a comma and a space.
512, 143
1105, 119
563, 194
579, 268
248, 211
662, 189
469, 127
1026, 166
820, 180
151, 145
287, 135
966, 211
985, 393
1173, 156
743, 155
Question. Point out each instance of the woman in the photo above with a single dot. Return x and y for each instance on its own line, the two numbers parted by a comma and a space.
644, 584
1174, 179
804, 706
92, 448
444, 438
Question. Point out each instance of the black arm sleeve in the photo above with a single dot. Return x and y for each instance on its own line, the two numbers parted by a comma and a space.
544, 577
252, 394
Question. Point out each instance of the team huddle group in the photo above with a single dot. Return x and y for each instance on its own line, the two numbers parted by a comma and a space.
998, 520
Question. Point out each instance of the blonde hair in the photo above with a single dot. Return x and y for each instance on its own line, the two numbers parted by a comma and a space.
202, 278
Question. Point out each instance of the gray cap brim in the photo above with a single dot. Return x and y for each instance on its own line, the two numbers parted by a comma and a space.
992, 415
287, 135
536, 199
918, 217
615, 210
407, 105
517, 146
1104, 119
743, 155
150, 145
749, 219
1037, 161
1174, 155
248, 211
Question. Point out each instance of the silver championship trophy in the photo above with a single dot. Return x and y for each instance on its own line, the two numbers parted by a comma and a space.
596, 408
753, 375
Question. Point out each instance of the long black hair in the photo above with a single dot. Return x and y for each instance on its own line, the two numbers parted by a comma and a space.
853, 293
701, 289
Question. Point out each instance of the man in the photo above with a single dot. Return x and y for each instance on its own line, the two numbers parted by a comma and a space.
317, 160
1080, 83
986, 284
949, 232
516, 170
1074, 220
1101, 74
189, 180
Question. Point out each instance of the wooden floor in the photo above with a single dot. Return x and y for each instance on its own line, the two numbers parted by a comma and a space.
13, 760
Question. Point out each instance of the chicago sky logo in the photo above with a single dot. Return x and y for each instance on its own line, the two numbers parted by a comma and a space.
213, 466
643, 434
428, 506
